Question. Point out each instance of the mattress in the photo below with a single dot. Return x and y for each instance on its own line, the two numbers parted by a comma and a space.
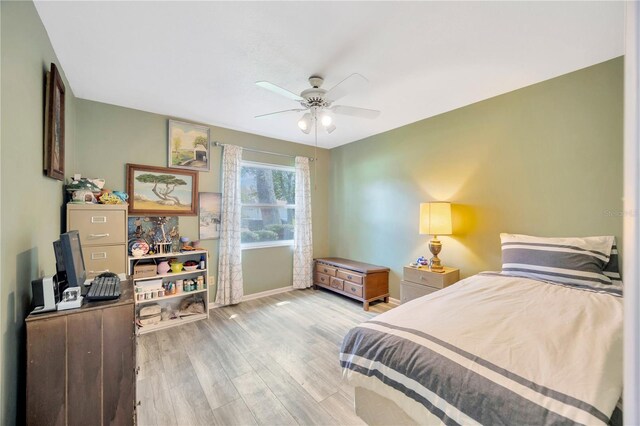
493, 349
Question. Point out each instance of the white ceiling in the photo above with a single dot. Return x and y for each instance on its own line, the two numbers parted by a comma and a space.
199, 60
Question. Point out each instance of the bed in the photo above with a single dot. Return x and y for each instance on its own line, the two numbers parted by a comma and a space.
491, 349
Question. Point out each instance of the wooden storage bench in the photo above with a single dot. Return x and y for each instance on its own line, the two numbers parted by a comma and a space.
360, 281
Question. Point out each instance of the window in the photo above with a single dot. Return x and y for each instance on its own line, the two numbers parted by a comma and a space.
268, 204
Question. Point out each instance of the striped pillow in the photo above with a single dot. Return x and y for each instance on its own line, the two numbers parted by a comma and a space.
575, 262
612, 269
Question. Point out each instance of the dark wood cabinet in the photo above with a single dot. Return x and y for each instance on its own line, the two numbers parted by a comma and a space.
81, 364
358, 280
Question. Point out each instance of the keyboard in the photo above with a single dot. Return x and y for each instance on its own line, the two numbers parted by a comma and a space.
104, 288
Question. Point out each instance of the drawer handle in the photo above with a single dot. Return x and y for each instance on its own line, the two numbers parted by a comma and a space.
349, 277
98, 235
98, 219
353, 289
325, 269
99, 255
421, 277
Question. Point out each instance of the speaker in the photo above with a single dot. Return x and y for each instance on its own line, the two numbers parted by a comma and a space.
44, 295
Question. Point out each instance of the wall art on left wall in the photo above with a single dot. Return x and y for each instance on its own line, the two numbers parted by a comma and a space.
54, 126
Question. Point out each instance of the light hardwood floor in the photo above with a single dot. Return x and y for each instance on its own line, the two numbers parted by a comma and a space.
269, 361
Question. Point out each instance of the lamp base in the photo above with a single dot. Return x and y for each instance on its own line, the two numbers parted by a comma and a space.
435, 246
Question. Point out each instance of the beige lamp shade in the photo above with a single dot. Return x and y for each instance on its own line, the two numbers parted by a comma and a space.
435, 218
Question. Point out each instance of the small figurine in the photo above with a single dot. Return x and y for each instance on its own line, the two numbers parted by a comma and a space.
122, 195
422, 261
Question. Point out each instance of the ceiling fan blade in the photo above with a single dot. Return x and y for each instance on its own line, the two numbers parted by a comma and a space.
353, 83
279, 90
279, 112
355, 111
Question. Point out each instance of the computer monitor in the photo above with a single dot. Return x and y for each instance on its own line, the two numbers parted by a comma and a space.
73, 260
60, 279
61, 271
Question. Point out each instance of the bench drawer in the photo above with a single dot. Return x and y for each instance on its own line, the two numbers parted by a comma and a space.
322, 279
354, 289
336, 283
324, 269
349, 276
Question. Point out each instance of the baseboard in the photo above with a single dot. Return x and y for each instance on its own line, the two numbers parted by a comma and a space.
393, 301
254, 296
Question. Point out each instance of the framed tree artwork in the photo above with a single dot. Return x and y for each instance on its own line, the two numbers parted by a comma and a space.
188, 146
160, 191
54, 126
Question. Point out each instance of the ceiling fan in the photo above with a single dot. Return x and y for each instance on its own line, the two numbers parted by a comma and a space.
319, 103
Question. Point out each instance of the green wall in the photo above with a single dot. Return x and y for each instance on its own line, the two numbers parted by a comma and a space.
112, 136
543, 160
31, 203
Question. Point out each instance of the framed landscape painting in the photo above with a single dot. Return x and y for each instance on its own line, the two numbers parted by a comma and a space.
160, 191
188, 146
210, 209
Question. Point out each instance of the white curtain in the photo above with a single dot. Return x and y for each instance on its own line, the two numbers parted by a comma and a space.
303, 243
230, 287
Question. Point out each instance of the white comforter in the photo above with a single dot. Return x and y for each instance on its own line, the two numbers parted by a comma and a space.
494, 350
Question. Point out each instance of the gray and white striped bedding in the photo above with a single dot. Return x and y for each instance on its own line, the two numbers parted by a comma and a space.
494, 349
612, 269
578, 262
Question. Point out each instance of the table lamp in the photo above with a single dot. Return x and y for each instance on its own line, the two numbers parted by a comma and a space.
435, 219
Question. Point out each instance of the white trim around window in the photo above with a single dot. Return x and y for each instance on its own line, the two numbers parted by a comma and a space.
267, 244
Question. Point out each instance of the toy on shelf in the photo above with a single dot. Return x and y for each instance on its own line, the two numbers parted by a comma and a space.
109, 198
83, 191
184, 244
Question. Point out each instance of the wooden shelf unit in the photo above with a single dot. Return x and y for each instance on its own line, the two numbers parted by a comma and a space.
171, 323
172, 300
172, 296
178, 275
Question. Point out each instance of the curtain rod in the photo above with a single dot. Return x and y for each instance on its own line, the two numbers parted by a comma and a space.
266, 152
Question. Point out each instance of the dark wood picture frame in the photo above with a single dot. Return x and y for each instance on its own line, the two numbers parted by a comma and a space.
170, 208
54, 126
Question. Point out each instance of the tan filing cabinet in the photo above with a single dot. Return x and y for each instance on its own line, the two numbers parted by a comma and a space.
419, 282
103, 235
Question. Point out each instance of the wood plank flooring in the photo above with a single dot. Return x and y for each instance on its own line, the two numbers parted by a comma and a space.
270, 361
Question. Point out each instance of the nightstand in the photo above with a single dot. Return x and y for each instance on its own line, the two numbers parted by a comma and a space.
418, 282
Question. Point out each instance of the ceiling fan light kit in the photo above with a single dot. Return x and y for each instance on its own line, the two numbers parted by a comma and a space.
305, 123
326, 119
318, 102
